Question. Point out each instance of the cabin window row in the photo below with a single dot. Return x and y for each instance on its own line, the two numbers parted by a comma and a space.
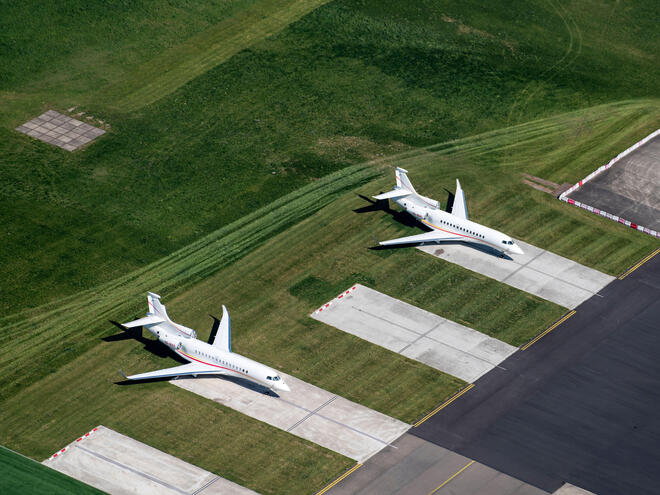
481, 236
223, 362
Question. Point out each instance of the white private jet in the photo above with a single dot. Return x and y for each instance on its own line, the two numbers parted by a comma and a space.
453, 226
214, 358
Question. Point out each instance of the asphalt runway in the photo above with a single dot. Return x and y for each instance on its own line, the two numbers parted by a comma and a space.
579, 406
629, 189
413, 466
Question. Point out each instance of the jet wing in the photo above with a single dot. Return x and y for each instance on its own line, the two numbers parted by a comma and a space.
183, 370
459, 207
434, 236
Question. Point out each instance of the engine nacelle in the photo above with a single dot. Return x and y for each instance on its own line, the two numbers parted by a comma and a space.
170, 340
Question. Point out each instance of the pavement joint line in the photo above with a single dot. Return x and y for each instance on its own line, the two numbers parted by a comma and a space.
311, 413
548, 330
521, 266
462, 351
544, 273
128, 468
444, 404
424, 335
421, 336
199, 490
452, 477
638, 264
359, 432
386, 320
341, 478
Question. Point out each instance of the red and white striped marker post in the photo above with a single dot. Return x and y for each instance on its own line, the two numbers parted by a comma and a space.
336, 299
67, 448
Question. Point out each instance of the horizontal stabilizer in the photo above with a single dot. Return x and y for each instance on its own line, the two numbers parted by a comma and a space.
143, 322
434, 236
183, 370
394, 194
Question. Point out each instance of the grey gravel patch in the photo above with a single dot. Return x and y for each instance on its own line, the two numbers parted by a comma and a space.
60, 130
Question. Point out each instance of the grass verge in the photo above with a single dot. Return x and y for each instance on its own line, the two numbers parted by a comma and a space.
19, 474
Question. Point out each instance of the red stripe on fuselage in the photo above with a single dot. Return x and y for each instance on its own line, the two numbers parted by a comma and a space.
210, 364
462, 235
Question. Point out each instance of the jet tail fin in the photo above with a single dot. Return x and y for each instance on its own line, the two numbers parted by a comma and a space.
221, 331
459, 207
155, 306
402, 180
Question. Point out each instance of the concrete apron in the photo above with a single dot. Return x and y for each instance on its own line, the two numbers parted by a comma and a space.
537, 271
307, 411
408, 330
118, 465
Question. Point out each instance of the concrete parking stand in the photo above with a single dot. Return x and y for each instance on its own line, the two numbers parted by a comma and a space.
537, 271
415, 333
419, 467
569, 489
119, 465
307, 411
60, 130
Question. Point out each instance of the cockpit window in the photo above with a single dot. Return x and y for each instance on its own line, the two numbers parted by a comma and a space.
276, 378
269, 378
510, 242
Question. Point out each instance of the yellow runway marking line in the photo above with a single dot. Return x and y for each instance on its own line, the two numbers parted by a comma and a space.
636, 266
444, 404
452, 477
342, 477
548, 330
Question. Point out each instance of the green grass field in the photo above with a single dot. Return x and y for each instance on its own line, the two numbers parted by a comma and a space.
271, 289
347, 82
19, 475
243, 134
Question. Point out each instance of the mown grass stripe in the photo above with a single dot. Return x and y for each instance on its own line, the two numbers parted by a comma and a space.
174, 68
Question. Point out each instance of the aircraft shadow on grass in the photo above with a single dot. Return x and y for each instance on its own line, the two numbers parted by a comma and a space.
407, 220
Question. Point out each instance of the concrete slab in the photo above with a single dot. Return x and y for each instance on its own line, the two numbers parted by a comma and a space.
119, 465
538, 271
415, 333
307, 411
568, 489
60, 130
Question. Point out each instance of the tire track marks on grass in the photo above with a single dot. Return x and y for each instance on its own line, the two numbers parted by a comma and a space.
34, 345
33, 340
201, 53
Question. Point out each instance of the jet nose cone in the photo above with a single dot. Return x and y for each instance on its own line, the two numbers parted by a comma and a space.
283, 387
515, 249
